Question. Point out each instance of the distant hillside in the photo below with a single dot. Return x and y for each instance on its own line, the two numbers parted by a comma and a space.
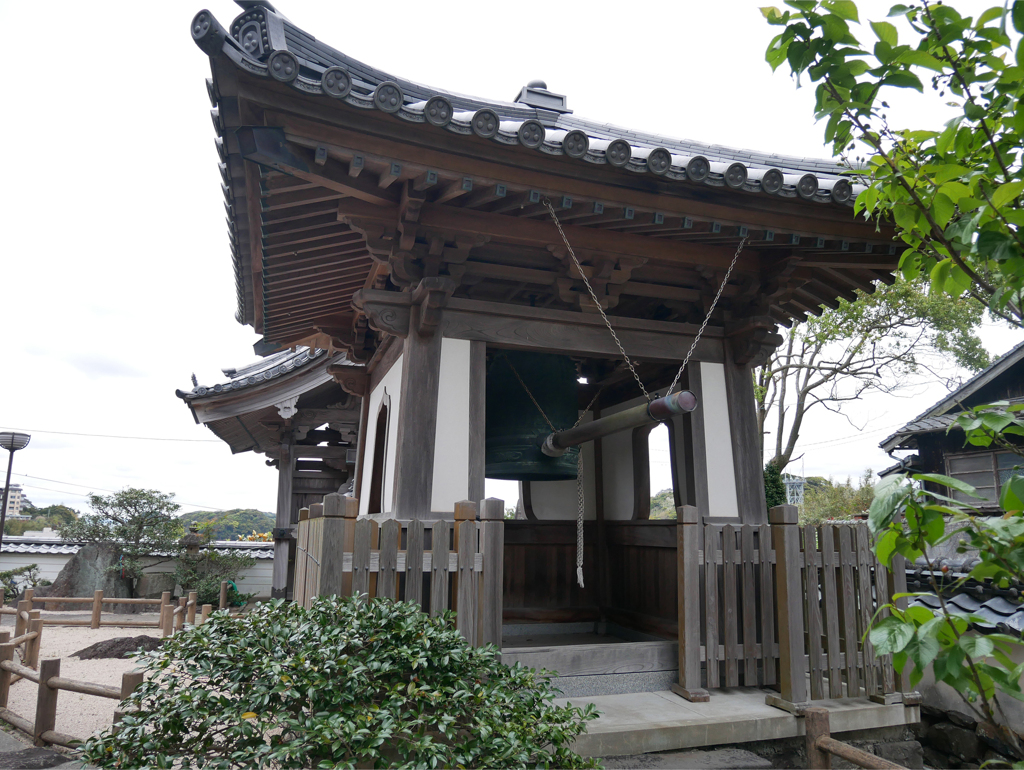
663, 505
228, 525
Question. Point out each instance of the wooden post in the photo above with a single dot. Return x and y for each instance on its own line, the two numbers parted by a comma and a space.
32, 645
688, 535
789, 595
816, 724
477, 417
165, 598
464, 581
417, 418
193, 597
283, 520
207, 609
492, 543
465, 510
179, 619
166, 619
30, 594
223, 595
46, 699
97, 608
20, 624
129, 681
6, 653
337, 539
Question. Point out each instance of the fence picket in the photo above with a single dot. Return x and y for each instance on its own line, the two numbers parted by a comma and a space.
730, 599
881, 595
387, 578
361, 557
439, 569
812, 598
414, 562
865, 610
764, 546
467, 585
847, 607
749, 608
830, 609
711, 535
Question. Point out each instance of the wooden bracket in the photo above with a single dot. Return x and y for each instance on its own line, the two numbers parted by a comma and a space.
754, 340
352, 379
796, 709
696, 695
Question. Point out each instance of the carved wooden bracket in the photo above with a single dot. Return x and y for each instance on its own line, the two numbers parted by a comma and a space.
753, 340
390, 311
352, 380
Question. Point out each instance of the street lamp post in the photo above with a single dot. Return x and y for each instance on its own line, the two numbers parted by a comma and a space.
12, 442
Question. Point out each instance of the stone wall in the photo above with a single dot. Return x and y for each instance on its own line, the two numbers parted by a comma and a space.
952, 738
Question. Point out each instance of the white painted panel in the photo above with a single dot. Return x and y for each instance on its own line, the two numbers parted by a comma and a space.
49, 564
559, 499
617, 455
451, 436
392, 385
718, 440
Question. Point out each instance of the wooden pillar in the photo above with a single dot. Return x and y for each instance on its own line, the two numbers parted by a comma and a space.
477, 417
46, 700
417, 424
337, 539
492, 544
746, 453
285, 472
689, 532
603, 578
694, 421
789, 605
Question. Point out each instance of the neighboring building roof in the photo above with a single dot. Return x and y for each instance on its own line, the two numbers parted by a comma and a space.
60, 547
995, 615
937, 416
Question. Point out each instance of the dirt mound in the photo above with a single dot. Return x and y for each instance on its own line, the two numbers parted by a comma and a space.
121, 647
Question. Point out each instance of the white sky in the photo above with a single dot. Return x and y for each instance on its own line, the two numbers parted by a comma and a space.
116, 275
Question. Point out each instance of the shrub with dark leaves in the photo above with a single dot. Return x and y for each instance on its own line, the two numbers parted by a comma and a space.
345, 683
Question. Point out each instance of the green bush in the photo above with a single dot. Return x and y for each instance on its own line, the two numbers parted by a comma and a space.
345, 683
203, 573
774, 487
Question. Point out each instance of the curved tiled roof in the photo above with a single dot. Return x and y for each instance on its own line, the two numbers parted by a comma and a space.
62, 548
265, 44
262, 371
996, 614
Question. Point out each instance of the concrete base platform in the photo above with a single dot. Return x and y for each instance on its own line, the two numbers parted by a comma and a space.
640, 723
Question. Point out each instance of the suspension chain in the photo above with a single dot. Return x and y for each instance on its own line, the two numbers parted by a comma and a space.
597, 302
703, 326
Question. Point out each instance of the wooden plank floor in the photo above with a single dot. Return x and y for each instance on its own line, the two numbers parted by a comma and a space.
640, 723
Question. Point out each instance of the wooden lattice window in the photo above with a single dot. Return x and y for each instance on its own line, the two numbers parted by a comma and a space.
985, 471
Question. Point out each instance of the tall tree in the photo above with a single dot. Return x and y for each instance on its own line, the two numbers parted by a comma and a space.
953, 191
140, 522
876, 343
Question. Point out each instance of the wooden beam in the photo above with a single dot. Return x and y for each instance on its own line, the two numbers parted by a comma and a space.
528, 232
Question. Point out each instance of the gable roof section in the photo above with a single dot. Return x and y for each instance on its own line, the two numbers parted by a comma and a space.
939, 416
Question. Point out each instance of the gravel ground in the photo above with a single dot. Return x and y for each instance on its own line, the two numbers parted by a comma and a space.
77, 714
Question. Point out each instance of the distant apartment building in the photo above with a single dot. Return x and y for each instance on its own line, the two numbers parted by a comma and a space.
16, 501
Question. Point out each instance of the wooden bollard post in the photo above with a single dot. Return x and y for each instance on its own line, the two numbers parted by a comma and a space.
179, 619
30, 594
789, 593
193, 597
129, 681
689, 533
32, 645
97, 608
816, 725
205, 614
46, 700
166, 628
492, 524
223, 595
20, 624
6, 653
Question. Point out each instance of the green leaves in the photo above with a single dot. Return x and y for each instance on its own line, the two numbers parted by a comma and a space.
885, 32
890, 635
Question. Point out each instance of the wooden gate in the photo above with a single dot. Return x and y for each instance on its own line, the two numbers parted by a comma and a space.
440, 565
775, 605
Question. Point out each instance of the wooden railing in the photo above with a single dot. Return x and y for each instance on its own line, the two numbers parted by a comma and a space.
821, 746
439, 565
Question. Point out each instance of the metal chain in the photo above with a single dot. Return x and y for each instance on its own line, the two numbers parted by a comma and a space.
707, 318
597, 302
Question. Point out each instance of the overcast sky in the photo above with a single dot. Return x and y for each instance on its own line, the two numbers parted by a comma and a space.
117, 281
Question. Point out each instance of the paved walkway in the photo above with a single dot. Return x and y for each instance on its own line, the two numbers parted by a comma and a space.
18, 753
642, 723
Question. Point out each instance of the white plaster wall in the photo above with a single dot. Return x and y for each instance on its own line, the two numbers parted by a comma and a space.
392, 384
258, 579
559, 499
451, 436
718, 441
617, 457
50, 564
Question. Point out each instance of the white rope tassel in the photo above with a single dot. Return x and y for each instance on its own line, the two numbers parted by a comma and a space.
579, 519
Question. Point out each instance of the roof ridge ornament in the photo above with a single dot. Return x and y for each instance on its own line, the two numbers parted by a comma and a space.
536, 94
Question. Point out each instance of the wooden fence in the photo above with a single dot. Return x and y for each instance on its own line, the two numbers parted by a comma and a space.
778, 605
439, 565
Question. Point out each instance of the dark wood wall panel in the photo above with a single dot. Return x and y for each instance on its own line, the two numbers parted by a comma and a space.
642, 576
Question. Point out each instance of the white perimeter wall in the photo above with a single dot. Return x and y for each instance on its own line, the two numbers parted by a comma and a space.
718, 442
559, 499
391, 384
451, 437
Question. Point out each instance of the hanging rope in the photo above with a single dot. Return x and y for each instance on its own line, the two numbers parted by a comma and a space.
625, 357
